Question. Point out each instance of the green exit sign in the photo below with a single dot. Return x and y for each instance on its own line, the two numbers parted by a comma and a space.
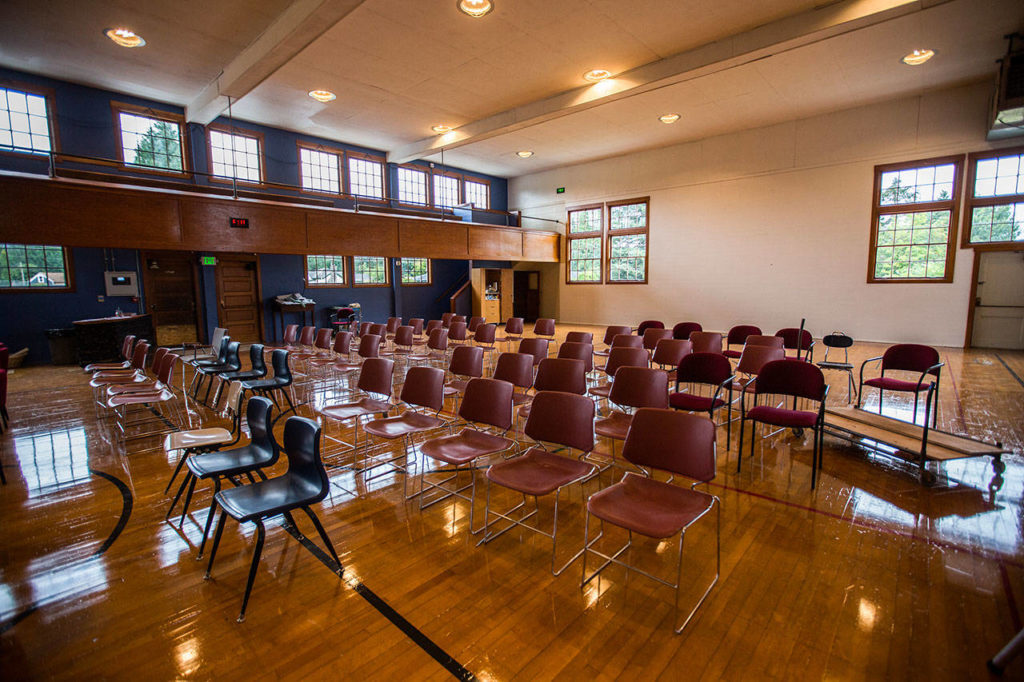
208, 260
560, 190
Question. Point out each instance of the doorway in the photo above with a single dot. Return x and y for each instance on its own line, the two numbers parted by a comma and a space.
998, 320
239, 299
526, 295
169, 281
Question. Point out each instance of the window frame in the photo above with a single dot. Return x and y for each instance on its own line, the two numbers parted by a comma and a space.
970, 202
375, 158
69, 276
169, 116
49, 94
569, 238
344, 271
479, 181
342, 168
387, 272
401, 273
428, 185
458, 188
952, 205
242, 132
610, 233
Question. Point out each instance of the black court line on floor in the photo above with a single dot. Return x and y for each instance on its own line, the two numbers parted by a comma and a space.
1009, 369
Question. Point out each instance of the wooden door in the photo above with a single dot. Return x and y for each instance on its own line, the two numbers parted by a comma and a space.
239, 300
999, 305
169, 282
526, 300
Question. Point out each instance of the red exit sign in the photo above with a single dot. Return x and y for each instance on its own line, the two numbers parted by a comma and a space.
240, 222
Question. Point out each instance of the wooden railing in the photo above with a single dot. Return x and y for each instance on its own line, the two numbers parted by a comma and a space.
455, 297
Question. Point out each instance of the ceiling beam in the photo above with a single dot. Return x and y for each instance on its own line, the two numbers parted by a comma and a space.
294, 29
779, 36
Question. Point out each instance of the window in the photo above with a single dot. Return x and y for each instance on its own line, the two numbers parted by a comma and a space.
369, 271
995, 198
234, 155
446, 190
584, 245
150, 139
415, 271
478, 193
28, 266
325, 271
412, 186
627, 240
320, 170
913, 221
365, 177
24, 122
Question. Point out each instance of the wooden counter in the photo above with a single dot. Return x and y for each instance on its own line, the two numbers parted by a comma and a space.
99, 339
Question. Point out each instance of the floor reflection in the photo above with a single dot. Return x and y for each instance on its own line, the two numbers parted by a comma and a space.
53, 459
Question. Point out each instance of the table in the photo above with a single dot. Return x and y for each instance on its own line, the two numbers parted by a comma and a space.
99, 339
301, 308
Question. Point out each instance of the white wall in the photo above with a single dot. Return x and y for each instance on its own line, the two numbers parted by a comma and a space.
770, 225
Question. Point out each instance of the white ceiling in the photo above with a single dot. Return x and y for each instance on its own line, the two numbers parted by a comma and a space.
512, 80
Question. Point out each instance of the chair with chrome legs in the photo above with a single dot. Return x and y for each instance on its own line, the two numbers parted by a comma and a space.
906, 357
682, 330
675, 443
304, 484
705, 376
738, 337
374, 390
513, 332
563, 419
633, 388
579, 337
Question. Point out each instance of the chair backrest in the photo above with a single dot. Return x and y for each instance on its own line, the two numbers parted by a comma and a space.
302, 448
792, 335
417, 325
583, 352
640, 387
232, 362
754, 358
616, 330
683, 330
467, 361
220, 332
343, 342
649, 324
626, 357
475, 322
158, 356
424, 387
434, 324
837, 341
404, 336
291, 334
627, 341
703, 368
256, 361
514, 325
544, 326
140, 352
669, 352
457, 331
458, 318
515, 368
232, 407
678, 442
568, 375
538, 348
739, 333
446, 318
165, 368
653, 335
791, 377
393, 324
485, 334
438, 339
369, 345
222, 352
580, 337
364, 328
127, 344
377, 376
307, 336
910, 357
380, 330
258, 416
487, 401
282, 373
763, 340
323, 338
563, 418
706, 342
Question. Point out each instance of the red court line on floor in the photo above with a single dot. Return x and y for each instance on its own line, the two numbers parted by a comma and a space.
956, 394
1008, 588
939, 544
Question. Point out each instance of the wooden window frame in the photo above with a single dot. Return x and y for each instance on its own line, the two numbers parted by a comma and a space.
952, 205
169, 116
49, 94
569, 238
970, 202
610, 233
242, 132
349, 192
478, 181
344, 271
387, 273
430, 273
458, 188
342, 168
428, 183
69, 277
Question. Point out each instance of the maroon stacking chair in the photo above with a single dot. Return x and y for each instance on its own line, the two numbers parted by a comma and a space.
750, 364
513, 331
649, 324
650, 338
306, 338
620, 357
404, 340
676, 443
457, 333
446, 319
567, 375
706, 342
683, 330
474, 322
609, 337
459, 318
487, 403
417, 330
127, 347
517, 369
392, 326
369, 347
669, 353
380, 330
633, 388
907, 357
321, 347
375, 386
796, 379
538, 348
467, 363
341, 348
799, 340
544, 328
738, 337
484, 337
437, 347
434, 324
708, 372
580, 337
561, 419
288, 341
578, 351
364, 328
765, 340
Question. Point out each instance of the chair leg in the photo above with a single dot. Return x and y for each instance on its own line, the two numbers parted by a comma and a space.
209, 518
739, 447
216, 539
260, 535
188, 500
323, 535
177, 495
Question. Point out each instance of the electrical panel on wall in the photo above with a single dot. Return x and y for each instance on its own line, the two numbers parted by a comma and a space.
121, 282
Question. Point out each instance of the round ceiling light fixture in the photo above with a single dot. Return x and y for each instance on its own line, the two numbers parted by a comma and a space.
918, 57
323, 96
669, 118
475, 8
124, 37
441, 129
525, 154
595, 75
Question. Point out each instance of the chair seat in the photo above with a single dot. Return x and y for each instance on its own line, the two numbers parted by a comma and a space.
102, 366
729, 353
99, 381
779, 416
891, 384
601, 391
243, 376
139, 398
264, 384
347, 366
464, 446
615, 425
521, 398
361, 407
507, 339
738, 386
845, 366
135, 387
266, 498
199, 438
228, 462
651, 508
402, 425
538, 472
457, 386
602, 353
694, 403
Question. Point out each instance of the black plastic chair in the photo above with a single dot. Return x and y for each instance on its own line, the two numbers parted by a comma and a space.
231, 364
259, 366
304, 483
281, 381
839, 341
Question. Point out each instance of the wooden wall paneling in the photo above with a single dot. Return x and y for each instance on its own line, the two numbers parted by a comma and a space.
432, 239
272, 229
332, 232
540, 247
476, 280
495, 243
507, 293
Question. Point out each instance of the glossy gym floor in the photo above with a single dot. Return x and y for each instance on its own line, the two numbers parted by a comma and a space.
872, 575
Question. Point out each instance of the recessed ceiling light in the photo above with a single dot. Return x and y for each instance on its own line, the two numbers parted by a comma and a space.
669, 118
918, 57
595, 75
124, 37
525, 154
322, 95
441, 129
475, 8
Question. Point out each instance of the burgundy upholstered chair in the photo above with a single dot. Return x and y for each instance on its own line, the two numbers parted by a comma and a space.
649, 324
802, 343
706, 377
682, 330
738, 337
907, 357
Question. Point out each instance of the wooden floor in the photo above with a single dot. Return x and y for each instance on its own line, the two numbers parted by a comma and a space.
870, 576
